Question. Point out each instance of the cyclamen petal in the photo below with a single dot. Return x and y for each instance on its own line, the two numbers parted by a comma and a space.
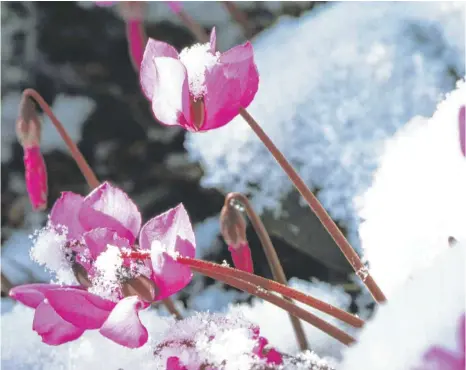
123, 326
154, 49
32, 295
110, 207
170, 99
65, 213
52, 328
135, 37
166, 236
98, 239
174, 363
36, 177
80, 308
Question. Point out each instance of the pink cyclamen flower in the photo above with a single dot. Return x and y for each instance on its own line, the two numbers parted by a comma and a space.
28, 132
86, 238
462, 129
437, 358
175, 6
199, 89
241, 256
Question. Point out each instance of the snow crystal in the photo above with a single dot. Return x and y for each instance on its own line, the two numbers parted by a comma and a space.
267, 316
424, 312
331, 94
49, 250
418, 197
198, 59
16, 262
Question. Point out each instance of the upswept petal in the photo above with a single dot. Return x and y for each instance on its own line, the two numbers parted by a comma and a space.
239, 64
213, 40
166, 236
123, 325
222, 100
32, 295
110, 207
166, 228
52, 328
154, 49
170, 99
65, 213
98, 239
79, 307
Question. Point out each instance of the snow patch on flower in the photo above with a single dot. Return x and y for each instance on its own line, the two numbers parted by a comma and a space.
423, 313
49, 250
418, 197
198, 59
106, 282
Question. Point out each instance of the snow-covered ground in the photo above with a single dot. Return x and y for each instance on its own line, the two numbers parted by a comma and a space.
335, 85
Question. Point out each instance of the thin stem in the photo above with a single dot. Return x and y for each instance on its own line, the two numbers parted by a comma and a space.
288, 306
239, 16
272, 258
172, 308
276, 287
75, 152
196, 29
318, 209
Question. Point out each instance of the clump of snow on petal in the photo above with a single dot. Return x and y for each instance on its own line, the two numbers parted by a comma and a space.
198, 59
330, 96
108, 266
266, 316
49, 250
422, 313
418, 197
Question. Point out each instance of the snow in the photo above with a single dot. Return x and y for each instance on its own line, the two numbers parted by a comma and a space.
425, 312
329, 97
206, 233
417, 200
198, 59
267, 316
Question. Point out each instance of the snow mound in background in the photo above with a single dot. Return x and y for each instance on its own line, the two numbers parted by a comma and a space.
333, 88
424, 313
418, 197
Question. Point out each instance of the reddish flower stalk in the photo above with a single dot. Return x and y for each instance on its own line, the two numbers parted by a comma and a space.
261, 284
75, 152
317, 208
240, 17
288, 306
462, 129
86, 170
310, 198
196, 29
270, 253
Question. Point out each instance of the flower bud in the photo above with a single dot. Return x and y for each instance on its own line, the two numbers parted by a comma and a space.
28, 127
140, 286
232, 226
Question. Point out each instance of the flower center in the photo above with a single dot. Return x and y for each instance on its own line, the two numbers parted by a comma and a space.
198, 59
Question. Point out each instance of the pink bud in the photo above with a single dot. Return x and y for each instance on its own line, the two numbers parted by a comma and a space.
241, 256
36, 177
175, 6
174, 363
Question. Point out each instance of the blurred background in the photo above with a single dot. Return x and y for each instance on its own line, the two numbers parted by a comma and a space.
341, 77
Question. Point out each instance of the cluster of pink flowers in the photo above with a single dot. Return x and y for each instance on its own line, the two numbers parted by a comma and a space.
90, 226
